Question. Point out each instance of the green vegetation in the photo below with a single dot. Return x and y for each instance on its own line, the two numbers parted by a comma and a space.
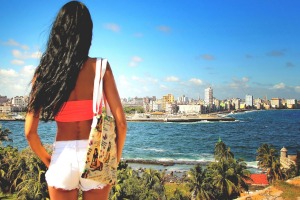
4, 134
290, 192
177, 191
133, 109
22, 174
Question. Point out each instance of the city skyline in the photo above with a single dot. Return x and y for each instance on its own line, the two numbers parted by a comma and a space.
161, 47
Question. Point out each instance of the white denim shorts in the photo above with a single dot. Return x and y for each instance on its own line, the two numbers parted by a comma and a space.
67, 164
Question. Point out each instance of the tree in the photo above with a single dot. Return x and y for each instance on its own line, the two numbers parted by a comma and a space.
222, 174
4, 134
199, 188
178, 195
227, 175
136, 185
221, 151
268, 161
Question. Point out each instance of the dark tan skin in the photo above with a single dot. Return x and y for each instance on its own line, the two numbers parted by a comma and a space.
80, 130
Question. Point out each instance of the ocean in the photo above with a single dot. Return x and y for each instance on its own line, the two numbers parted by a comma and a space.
185, 143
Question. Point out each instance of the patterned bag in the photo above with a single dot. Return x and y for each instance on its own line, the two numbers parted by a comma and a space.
101, 159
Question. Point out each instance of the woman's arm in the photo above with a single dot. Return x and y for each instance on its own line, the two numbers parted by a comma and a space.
114, 101
31, 126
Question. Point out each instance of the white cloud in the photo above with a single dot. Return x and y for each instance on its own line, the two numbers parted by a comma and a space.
196, 81
26, 55
14, 83
112, 27
7, 73
135, 60
297, 89
279, 86
17, 62
123, 80
172, 79
12, 42
236, 83
163, 87
28, 71
152, 80
135, 78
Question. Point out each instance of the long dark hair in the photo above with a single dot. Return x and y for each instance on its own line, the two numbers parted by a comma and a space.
67, 49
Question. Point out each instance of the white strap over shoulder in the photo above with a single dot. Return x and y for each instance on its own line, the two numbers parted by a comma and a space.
98, 85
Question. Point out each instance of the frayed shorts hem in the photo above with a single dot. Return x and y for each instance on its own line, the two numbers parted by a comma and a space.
66, 166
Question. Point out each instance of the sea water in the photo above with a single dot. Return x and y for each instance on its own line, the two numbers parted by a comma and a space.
183, 143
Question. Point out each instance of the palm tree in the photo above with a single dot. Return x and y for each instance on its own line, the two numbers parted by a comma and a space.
268, 161
222, 174
4, 134
228, 175
241, 175
222, 151
199, 188
153, 180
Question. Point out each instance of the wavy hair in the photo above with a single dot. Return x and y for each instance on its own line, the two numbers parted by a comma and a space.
67, 49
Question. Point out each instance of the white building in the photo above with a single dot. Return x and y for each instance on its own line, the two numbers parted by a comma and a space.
276, 103
183, 100
208, 96
155, 106
188, 109
5, 108
291, 103
19, 101
249, 100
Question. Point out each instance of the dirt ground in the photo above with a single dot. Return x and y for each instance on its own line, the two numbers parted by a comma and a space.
270, 193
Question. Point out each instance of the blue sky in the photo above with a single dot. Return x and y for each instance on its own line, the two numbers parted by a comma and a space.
159, 47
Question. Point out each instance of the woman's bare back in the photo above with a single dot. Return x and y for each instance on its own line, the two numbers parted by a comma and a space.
83, 90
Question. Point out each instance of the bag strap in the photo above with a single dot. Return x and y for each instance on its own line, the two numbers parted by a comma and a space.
98, 94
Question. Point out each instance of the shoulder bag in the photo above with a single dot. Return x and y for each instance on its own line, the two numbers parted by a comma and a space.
101, 159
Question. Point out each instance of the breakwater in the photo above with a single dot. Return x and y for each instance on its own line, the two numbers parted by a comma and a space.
175, 118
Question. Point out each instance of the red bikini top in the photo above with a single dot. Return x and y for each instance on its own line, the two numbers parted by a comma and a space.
75, 111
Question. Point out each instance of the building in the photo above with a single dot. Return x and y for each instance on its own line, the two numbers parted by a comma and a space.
183, 100
276, 103
3, 99
19, 101
189, 109
208, 96
291, 103
155, 106
5, 108
249, 101
258, 179
287, 160
167, 99
237, 104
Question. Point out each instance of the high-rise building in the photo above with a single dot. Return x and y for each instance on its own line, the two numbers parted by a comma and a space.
208, 96
249, 100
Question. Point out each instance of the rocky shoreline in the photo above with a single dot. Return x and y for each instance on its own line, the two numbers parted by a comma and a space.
164, 163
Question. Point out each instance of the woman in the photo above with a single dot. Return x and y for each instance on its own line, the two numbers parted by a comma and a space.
64, 79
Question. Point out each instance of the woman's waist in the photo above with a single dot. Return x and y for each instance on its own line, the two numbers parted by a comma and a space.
73, 131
